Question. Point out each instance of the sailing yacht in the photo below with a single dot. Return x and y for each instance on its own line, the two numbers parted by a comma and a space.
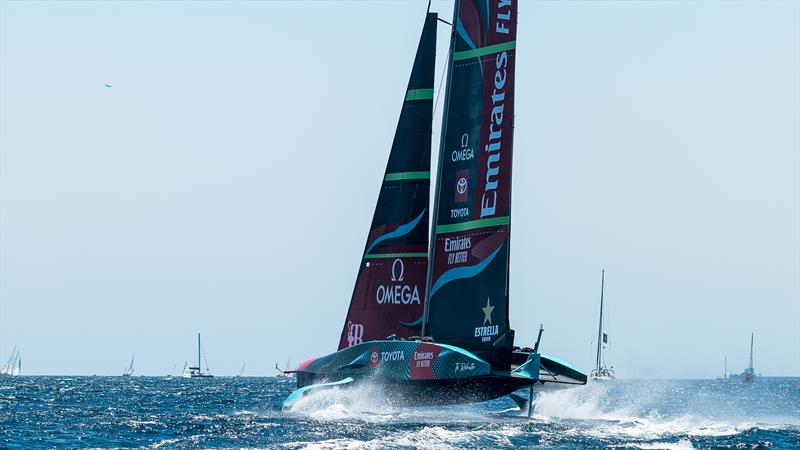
749, 373
171, 373
600, 371
725, 376
13, 366
196, 372
286, 371
429, 318
129, 371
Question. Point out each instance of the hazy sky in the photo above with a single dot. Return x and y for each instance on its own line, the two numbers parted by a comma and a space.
226, 182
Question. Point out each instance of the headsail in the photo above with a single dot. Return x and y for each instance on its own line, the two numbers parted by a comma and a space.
468, 304
390, 289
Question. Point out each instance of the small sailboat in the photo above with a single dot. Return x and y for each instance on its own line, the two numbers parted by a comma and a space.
241, 371
171, 373
600, 371
429, 318
197, 372
749, 373
129, 371
286, 371
724, 376
725, 370
13, 366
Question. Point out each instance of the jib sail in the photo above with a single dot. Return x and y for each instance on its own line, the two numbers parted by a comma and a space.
390, 289
468, 282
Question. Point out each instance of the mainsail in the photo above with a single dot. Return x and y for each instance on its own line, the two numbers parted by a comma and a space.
390, 288
129, 371
468, 282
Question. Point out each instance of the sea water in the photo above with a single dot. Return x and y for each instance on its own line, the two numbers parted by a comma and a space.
71, 412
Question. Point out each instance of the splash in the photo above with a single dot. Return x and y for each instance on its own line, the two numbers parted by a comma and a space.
585, 403
364, 400
372, 402
629, 414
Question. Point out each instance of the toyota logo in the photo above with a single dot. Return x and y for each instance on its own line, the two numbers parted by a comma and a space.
461, 186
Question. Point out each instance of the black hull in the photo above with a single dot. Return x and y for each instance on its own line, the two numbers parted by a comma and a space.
453, 391
417, 373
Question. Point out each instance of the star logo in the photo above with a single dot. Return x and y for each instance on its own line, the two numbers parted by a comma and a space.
487, 312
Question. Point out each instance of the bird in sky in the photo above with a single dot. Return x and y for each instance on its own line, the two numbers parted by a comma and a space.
108, 85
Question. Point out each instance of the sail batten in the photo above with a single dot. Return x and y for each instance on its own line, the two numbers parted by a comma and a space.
400, 176
419, 94
390, 287
483, 51
473, 224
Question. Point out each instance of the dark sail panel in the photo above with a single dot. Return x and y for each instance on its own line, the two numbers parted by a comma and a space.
468, 304
389, 294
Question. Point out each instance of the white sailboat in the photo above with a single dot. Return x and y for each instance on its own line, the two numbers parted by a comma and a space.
129, 371
749, 374
600, 371
725, 376
197, 372
171, 373
283, 372
13, 366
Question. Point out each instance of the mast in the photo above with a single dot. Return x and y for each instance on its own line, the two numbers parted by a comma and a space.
725, 372
751, 351
600, 326
198, 352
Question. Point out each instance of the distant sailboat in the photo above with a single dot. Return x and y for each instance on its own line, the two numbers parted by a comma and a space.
241, 371
285, 372
749, 374
196, 372
600, 371
724, 371
171, 373
13, 366
129, 371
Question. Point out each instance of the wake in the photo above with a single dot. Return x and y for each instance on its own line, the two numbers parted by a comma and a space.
604, 411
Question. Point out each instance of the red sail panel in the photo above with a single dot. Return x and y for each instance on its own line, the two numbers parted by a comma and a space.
389, 294
468, 304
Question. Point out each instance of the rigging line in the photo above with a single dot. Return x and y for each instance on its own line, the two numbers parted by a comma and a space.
438, 94
441, 80
202, 350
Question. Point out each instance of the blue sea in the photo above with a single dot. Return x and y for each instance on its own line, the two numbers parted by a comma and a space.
151, 412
